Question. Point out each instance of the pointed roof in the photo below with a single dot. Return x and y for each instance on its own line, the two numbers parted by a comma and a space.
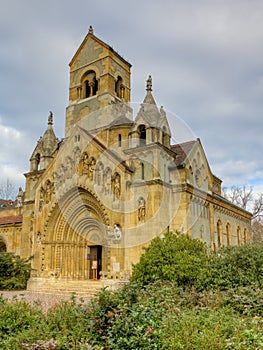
149, 97
49, 139
99, 41
47, 144
148, 113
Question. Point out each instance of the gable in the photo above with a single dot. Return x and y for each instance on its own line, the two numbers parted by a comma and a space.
89, 48
95, 49
198, 170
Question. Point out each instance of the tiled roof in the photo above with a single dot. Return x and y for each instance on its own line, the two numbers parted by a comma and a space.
7, 203
182, 150
11, 219
122, 120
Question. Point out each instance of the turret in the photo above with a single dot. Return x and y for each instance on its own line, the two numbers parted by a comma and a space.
45, 148
151, 125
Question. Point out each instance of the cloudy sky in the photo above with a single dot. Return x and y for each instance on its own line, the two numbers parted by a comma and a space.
205, 57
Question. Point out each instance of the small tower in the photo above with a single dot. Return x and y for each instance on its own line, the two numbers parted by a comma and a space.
99, 77
151, 125
45, 148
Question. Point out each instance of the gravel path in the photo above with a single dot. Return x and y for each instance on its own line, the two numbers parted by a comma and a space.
46, 300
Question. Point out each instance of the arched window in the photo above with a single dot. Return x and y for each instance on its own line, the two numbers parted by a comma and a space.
142, 171
239, 240
142, 134
228, 231
37, 158
119, 88
245, 236
119, 140
90, 84
219, 231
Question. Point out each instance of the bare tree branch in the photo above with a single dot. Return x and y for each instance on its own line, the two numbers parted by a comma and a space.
258, 207
7, 189
243, 196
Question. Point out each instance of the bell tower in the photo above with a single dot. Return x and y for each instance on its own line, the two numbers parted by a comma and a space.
99, 77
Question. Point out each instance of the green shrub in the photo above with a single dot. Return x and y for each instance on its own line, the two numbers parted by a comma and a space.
176, 258
233, 267
206, 329
19, 322
14, 272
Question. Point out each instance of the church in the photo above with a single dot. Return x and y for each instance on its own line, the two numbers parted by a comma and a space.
94, 199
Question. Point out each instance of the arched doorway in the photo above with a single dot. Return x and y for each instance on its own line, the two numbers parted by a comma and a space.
75, 243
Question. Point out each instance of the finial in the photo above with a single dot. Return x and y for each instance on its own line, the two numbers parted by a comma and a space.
90, 30
50, 118
149, 84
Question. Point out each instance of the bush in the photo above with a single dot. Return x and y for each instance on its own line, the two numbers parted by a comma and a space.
217, 329
177, 258
234, 267
14, 272
19, 322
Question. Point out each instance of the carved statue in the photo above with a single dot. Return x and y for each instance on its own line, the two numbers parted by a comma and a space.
141, 210
49, 191
91, 168
19, 198
107, 181
117, 232
116, 186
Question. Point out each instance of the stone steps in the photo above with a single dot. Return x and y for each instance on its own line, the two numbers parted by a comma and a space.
56, 286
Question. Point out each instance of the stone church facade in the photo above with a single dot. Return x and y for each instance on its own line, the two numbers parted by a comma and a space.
94, 199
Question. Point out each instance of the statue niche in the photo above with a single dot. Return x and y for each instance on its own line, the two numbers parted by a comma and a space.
116, 186
141, 210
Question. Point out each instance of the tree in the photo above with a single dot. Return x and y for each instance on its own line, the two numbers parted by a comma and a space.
7, 189
244, 197
257, 229
176, 257
14, 271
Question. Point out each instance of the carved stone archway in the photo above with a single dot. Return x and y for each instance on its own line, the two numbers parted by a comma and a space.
77, 223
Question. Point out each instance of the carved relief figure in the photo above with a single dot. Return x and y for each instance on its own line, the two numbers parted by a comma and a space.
91, 168
84, 164
116, 186
77, 157
107, 181
117, 232
99, 171
141, 210
49, 191
70, 168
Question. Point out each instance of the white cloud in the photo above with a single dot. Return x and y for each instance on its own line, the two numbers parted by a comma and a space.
205, 58
14, 153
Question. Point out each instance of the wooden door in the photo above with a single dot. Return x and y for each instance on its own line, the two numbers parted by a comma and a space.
95, 261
